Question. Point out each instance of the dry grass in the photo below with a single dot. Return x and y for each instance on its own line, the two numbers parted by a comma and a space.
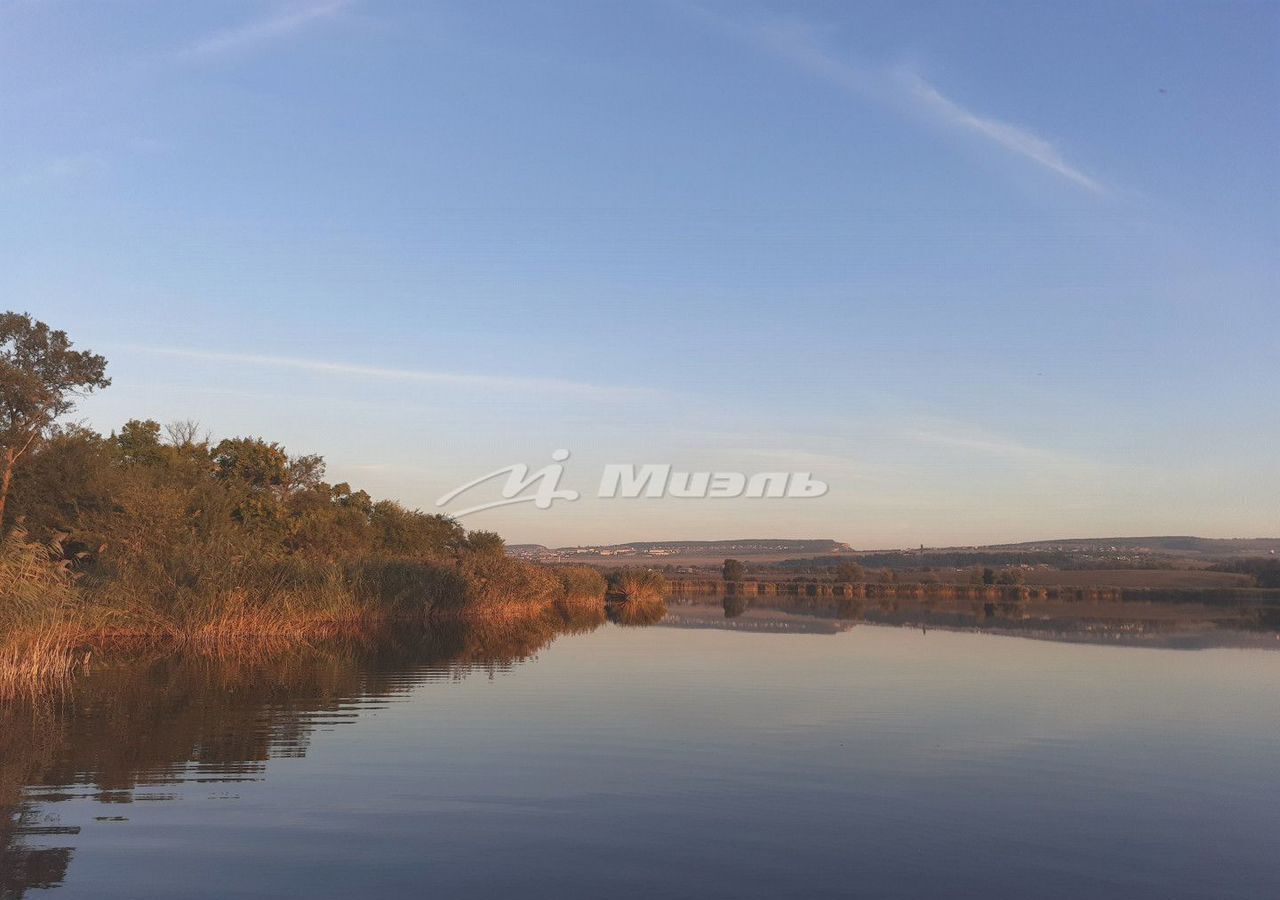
581, 584
36, 664
641, 585
48, 623
38, 611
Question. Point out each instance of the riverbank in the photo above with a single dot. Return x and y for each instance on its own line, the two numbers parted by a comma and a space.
54, 623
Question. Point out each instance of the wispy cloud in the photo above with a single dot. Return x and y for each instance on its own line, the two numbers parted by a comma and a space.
261, 31
59, 169
951, 435
986, 445
1013, 138
520, 384
797, 45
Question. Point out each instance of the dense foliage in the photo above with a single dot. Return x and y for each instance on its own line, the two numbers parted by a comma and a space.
1265, 570
155, 531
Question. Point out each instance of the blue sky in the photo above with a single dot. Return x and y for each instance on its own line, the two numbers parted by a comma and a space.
992, 271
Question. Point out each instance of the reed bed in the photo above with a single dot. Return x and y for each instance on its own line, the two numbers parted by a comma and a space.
36, 664
38, 603
640, 585
51, 625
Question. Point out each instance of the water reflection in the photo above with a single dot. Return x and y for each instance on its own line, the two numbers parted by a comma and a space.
133, 726
1188, 625
696, 709
638, 613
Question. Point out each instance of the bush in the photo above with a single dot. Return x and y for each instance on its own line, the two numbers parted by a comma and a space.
499, 585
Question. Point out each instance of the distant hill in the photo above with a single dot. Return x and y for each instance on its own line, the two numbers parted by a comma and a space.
741, 545
1170, 544
1161, 552
1067, 553
684, 551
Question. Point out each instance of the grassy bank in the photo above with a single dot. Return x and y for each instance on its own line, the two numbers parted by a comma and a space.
55, 618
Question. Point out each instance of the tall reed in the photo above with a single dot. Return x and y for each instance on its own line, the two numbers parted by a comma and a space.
38, 611
643, 585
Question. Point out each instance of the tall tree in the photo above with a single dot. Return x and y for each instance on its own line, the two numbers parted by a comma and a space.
40, 379
733, 570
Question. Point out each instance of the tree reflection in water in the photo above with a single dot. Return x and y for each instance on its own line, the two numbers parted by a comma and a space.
139, 722
134, 727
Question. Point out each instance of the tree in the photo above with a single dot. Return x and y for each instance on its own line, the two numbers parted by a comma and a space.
139, 442
849, 572
40, 379
488, 543
404, 532
68, 477
1011, 576
988, 575
734, 570
185, 435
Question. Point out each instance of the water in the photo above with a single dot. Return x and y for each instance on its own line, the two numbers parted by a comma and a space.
772, 754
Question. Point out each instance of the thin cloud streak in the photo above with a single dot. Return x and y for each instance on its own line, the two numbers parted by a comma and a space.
992, 445
1011, 137
906, 90
232, 40
60, 168
455, 379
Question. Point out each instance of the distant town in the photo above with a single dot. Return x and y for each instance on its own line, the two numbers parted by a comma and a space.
1109, 549
773, 548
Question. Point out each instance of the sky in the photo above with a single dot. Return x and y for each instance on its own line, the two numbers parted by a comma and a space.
992, 272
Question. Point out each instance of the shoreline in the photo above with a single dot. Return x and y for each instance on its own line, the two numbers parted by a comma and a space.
45, 650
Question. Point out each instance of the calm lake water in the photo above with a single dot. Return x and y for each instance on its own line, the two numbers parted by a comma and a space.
774, 753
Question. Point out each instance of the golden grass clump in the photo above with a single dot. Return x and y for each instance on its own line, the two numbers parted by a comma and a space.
499, 587
38, 607
581, 584
644, 585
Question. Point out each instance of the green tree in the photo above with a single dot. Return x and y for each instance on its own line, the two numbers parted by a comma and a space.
40, 379
733, 570
139, 442
988, 575
411, 533
71, 477
487, 543
256, 470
